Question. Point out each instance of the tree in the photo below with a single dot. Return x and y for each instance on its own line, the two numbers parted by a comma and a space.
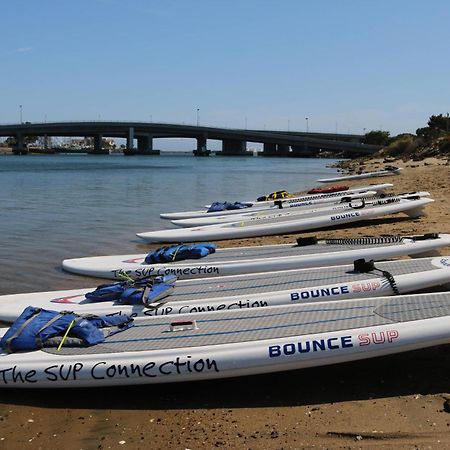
437, 126
376, 137
30, 140
439, 122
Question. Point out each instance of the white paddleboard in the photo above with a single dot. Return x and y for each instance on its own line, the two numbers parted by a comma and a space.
293, 210
233, 261
238, 343
308, 199
412, 207
378, 173
252, 291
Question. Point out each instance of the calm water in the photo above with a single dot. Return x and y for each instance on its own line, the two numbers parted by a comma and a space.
67, 206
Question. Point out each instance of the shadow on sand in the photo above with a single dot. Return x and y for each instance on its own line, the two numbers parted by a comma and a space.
419, 372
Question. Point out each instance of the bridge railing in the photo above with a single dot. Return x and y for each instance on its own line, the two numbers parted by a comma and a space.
188, 124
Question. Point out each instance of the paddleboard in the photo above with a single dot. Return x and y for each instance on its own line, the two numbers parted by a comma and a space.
378, 173
261, 206
238, 343
309, 252
253, 290
294, 210
280, 225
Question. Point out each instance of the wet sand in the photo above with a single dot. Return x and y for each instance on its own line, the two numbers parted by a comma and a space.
391, 402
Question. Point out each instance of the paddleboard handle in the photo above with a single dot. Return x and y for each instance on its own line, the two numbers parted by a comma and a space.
183, 325
360, 206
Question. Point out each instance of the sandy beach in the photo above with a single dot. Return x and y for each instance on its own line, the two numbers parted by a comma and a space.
391, 402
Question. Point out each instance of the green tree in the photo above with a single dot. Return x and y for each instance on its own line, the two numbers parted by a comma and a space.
376, 137
439, 122
30, 139
438, 125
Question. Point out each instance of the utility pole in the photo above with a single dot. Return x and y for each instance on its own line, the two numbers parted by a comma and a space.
20, 106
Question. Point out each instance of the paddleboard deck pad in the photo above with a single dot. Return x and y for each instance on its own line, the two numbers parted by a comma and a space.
238, 343
231, 261
252, 291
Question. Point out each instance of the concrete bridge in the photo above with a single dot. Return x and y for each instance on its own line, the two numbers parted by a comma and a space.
275, 143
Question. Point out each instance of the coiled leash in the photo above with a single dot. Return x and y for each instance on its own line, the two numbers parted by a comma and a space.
364, 240
363, 266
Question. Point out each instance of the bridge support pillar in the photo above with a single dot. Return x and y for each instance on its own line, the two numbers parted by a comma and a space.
98, 150
145, 143
283, 150
269, 150
235, 147
201, 149
144, 146
130, 138
20, 147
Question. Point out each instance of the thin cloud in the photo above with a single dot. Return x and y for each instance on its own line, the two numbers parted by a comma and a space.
20, 50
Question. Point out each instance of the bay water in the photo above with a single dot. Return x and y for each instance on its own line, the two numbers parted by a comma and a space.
55, 207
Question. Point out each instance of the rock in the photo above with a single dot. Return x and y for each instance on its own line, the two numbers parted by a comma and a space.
447, 406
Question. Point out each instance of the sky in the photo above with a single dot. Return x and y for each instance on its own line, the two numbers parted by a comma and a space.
348, 66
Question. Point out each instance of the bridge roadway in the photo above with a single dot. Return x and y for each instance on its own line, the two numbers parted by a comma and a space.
276, 143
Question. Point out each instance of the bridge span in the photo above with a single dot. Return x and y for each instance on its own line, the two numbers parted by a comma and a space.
275, 143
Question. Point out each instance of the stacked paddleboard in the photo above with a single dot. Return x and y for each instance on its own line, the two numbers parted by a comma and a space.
308, 252
253, 291
413, 206
304, 200
237, 343
294, 210
269, 313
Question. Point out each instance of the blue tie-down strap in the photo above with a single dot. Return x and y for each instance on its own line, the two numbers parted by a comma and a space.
153, 290
36, 328
223, 206
179, 253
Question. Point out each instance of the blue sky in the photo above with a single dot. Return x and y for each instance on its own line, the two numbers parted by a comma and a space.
348, 65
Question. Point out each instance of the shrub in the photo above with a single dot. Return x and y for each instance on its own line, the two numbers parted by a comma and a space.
404, 144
